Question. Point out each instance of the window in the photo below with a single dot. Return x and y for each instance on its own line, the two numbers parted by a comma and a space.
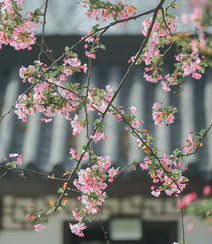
153, 232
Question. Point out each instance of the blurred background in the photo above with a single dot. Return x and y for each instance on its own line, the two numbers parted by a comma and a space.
130, 214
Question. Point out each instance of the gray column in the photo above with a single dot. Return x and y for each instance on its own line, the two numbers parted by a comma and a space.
137, 100
187, 114
8, 123
162, 133
58, 141
208, 119
32, 137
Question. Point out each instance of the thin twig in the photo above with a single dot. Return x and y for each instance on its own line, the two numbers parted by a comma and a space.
182, 224
44, 23
79, 96
81, 40
100, 29
30, 171
18, 100
144, 43
4, 174
189, 154
164, 20
102, 226
136, 133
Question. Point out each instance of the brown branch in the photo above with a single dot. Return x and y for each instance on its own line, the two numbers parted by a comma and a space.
4, 174
30, 171
87, 132
81, 40
159, 6
182, 224
164, 20
44, 22
81, 97
189, 154
135, 132
102, 226
104, 28
18, 101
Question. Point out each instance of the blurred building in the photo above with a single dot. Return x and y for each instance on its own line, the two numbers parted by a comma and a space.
45, 147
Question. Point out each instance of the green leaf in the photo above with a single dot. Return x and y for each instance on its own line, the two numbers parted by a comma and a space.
102, 46
66, 48
180, 241
155, 74
196, 138
161, 69
135, 161
185, 179
88, 220
157, 110
60, 190
59, 208
116, 16
164, 116
95, 27
45, 220
203, 131
152, 137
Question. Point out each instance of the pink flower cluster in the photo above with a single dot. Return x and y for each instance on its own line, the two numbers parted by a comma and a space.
75, 154
207, 190
190, 65
190, 143
18, 160
98, 136
200, 21
99, 99
160, 36
158, 116
91, 182
105, 13
77, 125
39, 100
158, 175
20, 33
39, 227
78, 228
187, 200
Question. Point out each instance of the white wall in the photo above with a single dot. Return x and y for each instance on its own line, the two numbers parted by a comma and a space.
150, 209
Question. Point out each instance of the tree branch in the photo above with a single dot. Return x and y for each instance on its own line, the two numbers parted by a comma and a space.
30, 171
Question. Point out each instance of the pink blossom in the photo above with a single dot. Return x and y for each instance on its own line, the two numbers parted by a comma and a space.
77, 229
12, 155
207, 190
19, 160
198, 3
112, 172
185, 19
98, 136
68, 72
194, 44
155, 193
165, 86
39, 227
28, 216
133, 109
190, 227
